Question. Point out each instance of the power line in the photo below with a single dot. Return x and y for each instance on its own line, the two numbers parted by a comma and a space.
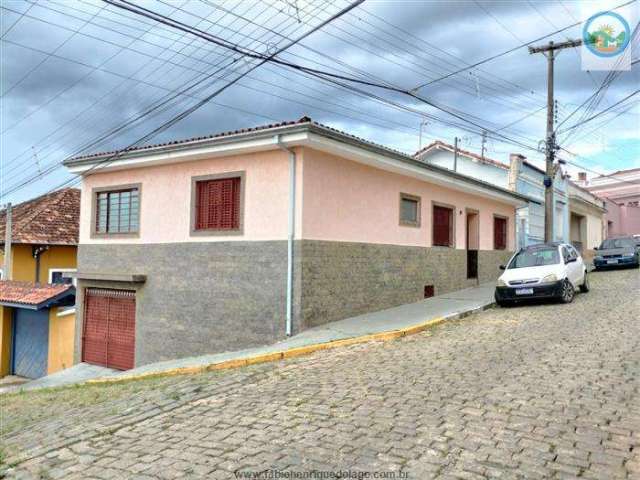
130, 121
321, 73
513, 49
20, 17
26, 75
84, 77
609, 79
340, 76
151, 57
601, 112
289, 99
343, 19
125, 4
217, 92
606, 121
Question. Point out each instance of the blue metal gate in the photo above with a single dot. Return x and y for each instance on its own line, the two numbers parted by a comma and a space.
30, 342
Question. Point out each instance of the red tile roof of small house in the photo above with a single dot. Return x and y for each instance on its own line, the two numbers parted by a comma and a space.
31, 294
50, 219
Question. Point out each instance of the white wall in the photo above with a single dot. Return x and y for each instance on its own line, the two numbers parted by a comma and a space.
471, 167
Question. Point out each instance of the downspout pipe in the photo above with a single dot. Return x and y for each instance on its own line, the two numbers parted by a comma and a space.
290, 231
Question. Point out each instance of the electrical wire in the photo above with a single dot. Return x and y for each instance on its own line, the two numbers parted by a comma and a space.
217, 92
513, 49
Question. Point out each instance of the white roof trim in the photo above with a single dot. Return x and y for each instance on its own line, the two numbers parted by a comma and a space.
162, 157
269, 141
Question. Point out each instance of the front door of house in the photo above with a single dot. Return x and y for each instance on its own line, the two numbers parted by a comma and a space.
473, 243
30, 343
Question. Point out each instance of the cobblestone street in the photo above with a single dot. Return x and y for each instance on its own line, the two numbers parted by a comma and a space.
541, 391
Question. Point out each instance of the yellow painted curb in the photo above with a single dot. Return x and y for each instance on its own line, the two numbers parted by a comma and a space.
276, 356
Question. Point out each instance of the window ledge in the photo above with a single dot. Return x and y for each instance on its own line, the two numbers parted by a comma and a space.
110, 277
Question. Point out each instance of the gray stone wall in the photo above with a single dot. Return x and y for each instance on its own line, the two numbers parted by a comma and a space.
489, 262
199, 298
209, 297
340, 279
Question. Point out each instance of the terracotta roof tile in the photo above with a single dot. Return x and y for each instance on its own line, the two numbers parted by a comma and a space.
300, 121
29, 293
51, 219
196, 139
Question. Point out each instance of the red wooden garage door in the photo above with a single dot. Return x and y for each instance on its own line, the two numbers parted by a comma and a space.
108, 336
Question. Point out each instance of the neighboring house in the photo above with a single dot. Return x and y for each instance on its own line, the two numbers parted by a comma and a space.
621, 192
39, 338
520, 176
238, 239
43, 249
587, 220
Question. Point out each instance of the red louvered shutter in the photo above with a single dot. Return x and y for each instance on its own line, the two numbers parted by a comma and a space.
500, 233
218, 204
442, 226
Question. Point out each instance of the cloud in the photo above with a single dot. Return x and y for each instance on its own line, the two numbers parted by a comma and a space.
403, 43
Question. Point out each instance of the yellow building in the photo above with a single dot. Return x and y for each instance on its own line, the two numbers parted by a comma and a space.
37, 314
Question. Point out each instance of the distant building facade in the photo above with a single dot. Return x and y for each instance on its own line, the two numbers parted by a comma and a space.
520, 176
621, 193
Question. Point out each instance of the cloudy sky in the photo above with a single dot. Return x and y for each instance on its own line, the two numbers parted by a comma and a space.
81, 76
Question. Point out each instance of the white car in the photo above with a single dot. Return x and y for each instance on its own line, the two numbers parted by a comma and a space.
547, 270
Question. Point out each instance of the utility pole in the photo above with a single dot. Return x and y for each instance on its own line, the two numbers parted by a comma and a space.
6, 272
550, 144
484, 142
455, 155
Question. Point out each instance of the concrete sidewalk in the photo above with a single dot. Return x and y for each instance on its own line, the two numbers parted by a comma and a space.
381, 325
397, 319
77, 374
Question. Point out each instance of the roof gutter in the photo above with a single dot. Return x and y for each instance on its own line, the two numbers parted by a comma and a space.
50, 302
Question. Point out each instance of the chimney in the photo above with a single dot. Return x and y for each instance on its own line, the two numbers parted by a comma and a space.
515, 165
582, 178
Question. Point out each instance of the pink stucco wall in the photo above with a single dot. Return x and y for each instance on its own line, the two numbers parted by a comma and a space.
347, 201
337, 199
166, 198
622, 220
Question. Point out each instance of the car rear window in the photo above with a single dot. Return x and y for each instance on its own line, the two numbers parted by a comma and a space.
535, 258
618, 243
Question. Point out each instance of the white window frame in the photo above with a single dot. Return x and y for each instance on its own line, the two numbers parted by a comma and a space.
62, 270
1, 274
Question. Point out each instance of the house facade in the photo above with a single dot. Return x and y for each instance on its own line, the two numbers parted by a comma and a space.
587, 226
37, 323
520, 176
239, 239
621, 192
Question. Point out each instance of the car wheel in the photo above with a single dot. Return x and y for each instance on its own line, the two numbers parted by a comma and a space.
503, 303
568, 292
584, 288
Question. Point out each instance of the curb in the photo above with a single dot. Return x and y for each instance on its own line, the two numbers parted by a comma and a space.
294, 352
